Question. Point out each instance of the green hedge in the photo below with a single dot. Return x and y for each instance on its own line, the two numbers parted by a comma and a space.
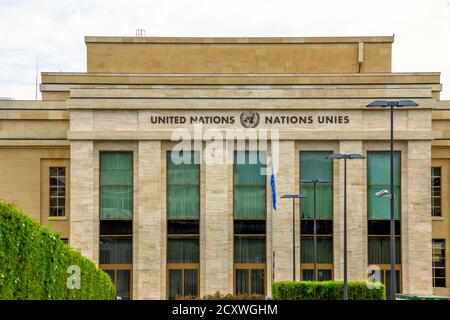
34, 262
326, 290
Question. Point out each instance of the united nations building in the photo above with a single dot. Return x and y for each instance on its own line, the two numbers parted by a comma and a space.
190, 166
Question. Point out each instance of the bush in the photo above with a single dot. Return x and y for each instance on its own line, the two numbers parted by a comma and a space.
326, 290
34, 262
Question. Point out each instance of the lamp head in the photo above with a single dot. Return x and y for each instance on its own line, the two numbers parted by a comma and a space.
381, 193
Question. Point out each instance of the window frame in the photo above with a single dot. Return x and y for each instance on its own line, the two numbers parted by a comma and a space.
308, 265
116, 267
50, 186
443, 258
433, 207
183, 266
250, 266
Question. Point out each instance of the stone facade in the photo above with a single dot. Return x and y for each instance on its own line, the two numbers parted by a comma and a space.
84, 114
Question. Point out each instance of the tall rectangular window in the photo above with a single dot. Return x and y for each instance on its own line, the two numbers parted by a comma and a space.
116, 219
436, 210
57, 191
439, 263
314, 165
183, 213
379, 214
249, 210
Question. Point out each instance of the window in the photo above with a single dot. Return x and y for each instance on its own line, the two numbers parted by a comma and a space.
379, 169
315, 165
436, 192
183, 212
439, 263
116, 219
57, 191
379, 214
249, 210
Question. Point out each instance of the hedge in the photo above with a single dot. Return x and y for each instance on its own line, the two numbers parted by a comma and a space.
325, 290
34, 262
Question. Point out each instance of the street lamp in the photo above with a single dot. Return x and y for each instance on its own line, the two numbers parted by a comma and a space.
314, 182
293, 197
338, 156
391, 105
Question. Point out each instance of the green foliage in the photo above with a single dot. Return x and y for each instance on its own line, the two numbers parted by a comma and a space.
326, 290
34, 262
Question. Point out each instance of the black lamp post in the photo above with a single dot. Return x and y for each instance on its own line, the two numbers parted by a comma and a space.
293, 197
314, 182
338, 156
391, 105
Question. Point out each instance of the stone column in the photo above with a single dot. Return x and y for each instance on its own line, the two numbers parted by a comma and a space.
148, 236
416, 220
217, 233
83, 220
286, 182
356, 215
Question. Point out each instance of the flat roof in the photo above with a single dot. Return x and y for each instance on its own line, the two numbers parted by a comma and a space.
237, 40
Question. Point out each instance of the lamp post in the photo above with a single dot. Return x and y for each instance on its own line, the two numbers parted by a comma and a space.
293, 197
314, 182
391, 105
338, 156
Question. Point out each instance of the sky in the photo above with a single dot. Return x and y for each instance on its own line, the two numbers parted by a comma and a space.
54, 30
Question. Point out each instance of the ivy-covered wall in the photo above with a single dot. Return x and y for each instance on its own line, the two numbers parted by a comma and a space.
34, 263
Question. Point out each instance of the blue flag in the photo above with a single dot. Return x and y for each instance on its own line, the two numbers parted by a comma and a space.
274, 189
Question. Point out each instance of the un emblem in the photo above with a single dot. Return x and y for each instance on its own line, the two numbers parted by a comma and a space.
249, 119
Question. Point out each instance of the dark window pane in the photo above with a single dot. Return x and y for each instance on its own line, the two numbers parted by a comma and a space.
324, 275
307, 274
53, 171
249, 249
242, 281
379, 250
60, 212
61, 202
249, 226
65, 240
115, 250
191, 282
61, 171
53, 202
388, 282
182, 250
183, 227
175, 283
382, 227
116, 227
54, 191
257, 281
439, 283
324, 249
123, 284
323, 226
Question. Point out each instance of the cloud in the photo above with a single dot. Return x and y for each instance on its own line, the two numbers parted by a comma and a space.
54, 30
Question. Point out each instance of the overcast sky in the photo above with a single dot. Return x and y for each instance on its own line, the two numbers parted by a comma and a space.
54, 30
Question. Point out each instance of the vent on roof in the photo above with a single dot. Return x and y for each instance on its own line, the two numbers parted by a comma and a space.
140, 32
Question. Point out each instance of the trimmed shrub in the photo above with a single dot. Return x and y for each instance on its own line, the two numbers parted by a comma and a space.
326, 290
34, 262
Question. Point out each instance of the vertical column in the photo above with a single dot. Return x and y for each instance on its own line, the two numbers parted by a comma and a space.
356, 216
287, 183
83, 218
217, 238
416, 226
147, 223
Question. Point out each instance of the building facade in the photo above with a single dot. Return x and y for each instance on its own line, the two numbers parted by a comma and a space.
94, 161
